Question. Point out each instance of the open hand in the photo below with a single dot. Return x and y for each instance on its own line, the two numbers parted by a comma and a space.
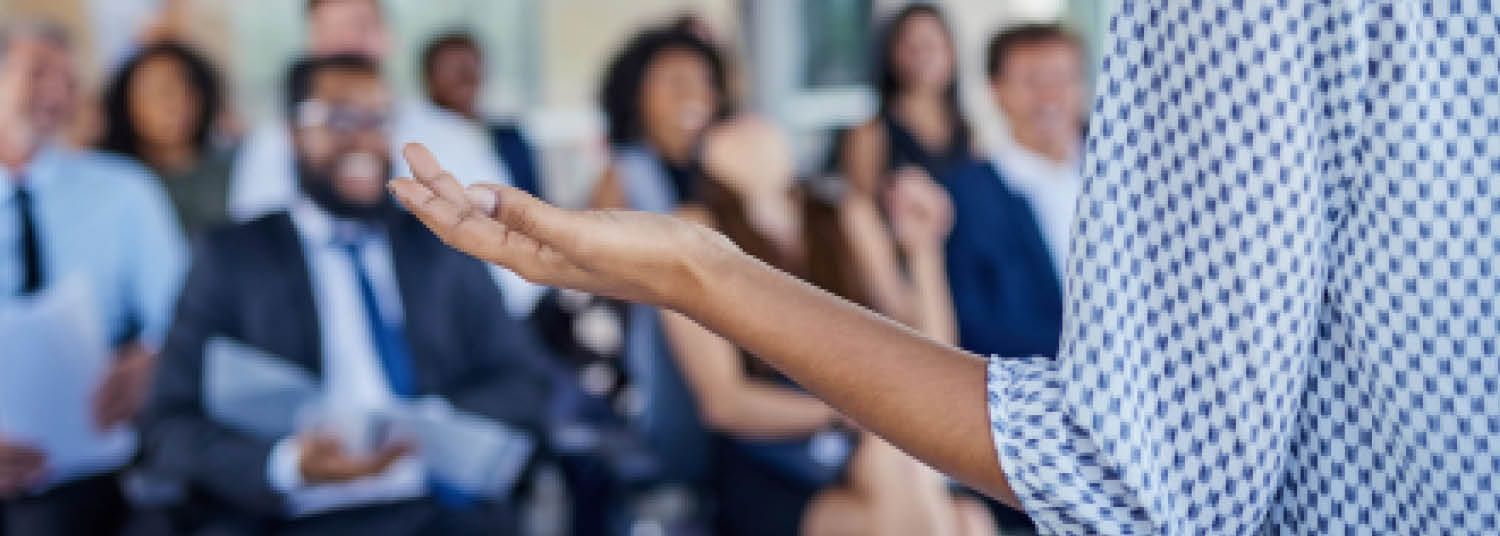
622, 254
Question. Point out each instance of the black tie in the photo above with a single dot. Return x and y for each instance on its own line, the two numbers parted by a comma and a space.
31, 247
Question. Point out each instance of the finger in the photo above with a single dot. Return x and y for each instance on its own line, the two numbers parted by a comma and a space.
533, 218
475, 230
423, 164
430, 172
460, 226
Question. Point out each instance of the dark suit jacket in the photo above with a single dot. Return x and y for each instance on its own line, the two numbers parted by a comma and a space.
1005, 289
250, 282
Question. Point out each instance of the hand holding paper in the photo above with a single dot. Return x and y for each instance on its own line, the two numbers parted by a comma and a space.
123, 390
325, 460
21, 467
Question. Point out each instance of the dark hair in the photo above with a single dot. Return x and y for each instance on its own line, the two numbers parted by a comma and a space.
889, 84
620, 94
120, 134
454, 39
1006, 41
304, 71
828, 259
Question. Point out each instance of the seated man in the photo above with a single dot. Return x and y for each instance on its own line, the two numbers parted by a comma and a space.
1007, 288
355, 292
453, 76
87, 226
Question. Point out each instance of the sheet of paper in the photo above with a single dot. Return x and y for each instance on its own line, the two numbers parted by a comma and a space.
53, 357
473, 453
253, 391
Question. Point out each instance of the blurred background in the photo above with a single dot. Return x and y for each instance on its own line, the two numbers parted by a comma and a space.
806, 63
192, 211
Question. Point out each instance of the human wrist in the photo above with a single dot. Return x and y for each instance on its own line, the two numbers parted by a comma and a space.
700, 270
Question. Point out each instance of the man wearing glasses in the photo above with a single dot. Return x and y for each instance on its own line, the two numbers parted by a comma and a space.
356, 294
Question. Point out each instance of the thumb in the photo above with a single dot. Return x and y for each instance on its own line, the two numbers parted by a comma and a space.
526, 215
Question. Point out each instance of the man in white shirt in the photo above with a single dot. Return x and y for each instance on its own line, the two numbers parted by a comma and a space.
263, 181
1036, 75
339, 285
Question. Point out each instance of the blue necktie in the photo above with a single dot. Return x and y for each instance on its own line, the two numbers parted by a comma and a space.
395, 360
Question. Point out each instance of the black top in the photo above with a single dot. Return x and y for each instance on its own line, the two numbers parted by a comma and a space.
903, 149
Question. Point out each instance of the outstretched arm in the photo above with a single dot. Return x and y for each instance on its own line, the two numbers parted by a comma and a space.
922, 396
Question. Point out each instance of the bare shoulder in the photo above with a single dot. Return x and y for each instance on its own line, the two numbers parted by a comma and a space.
866, 136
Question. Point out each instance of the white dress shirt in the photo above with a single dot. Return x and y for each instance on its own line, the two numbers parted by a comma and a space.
353, 379
1051, 188
264, 178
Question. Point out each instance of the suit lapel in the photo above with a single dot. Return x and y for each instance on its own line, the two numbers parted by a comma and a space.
298, 307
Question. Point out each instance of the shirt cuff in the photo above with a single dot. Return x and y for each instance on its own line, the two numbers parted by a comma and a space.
1064, 482
282, 470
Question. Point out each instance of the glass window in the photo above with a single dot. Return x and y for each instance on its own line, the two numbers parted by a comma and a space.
837, 33
269, 33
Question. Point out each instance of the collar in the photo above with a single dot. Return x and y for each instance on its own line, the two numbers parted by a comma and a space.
39, 172
317, 227
1027, 165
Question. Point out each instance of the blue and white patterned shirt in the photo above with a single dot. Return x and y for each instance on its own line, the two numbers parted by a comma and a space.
1281, 310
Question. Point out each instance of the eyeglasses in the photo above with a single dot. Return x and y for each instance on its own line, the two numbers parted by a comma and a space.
339, 119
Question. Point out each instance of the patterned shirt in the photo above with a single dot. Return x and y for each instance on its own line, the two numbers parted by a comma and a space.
1281, 311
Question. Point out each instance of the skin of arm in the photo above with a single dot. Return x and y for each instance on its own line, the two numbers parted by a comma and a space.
922, 215
869, 241
728, 399
731, 402
925, 397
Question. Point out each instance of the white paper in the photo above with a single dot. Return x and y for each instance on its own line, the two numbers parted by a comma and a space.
253, 391
477, 455
53, 356
266, 396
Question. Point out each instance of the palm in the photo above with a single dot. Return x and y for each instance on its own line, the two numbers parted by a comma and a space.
622, 254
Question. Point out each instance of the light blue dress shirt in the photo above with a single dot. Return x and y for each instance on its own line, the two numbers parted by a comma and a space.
105, 220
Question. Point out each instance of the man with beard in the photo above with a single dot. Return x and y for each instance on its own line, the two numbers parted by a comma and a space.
354, 292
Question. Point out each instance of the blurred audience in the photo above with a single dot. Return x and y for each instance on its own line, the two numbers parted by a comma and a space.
659, 93
351, 289
646, 413
83, 219
1007, 286
161, 108
1036, 75
787, 462
262, 180
919, 128
453, 75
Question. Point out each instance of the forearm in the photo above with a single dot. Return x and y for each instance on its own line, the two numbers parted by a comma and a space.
930, 294
923, 396
875, 257
759, 410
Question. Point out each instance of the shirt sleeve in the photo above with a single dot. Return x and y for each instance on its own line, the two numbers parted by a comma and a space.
160, 258
1194, 280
